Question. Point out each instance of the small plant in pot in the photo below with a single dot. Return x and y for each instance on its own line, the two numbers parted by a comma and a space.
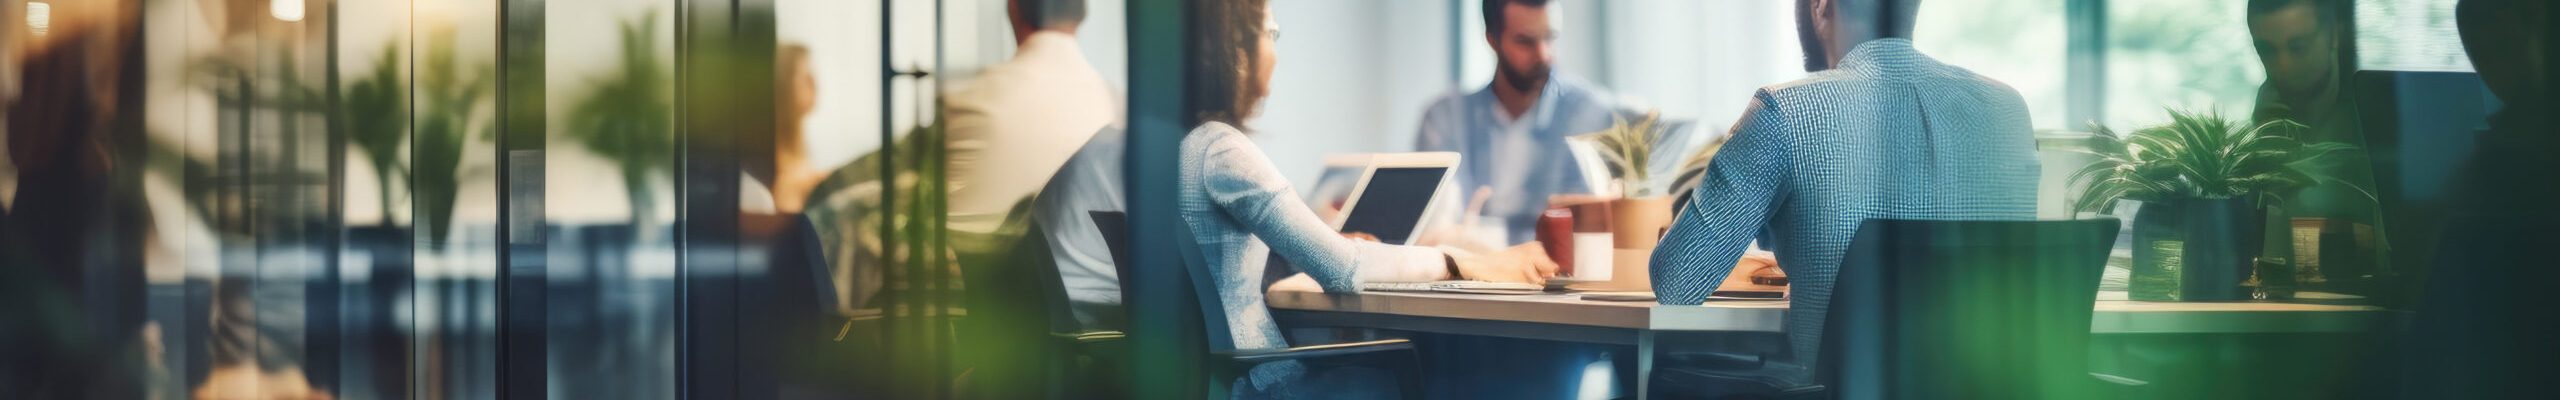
1634, 151
1628, 150
2205, 183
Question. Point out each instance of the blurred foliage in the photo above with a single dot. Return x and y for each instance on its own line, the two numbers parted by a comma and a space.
2192, 54
1628, 149
377, 122
873, 212
2201, 156
627, 116
449, 116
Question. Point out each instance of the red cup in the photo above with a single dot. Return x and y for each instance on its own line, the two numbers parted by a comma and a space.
1555, 233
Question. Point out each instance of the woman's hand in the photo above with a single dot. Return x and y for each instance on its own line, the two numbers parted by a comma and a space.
1525, 263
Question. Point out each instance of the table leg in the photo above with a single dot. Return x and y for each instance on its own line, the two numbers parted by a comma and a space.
1644, 364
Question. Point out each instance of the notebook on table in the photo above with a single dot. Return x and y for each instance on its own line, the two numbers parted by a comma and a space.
1476, 287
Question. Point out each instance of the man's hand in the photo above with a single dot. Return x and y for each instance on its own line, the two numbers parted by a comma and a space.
1754, 264
1525, 263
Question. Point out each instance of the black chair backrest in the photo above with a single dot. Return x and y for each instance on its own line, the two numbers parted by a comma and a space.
1964, 309
1033, 256
1197, 327
1204, 288
1115, 234
800, 255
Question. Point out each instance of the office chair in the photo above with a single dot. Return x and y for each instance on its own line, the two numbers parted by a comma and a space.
1952, 309
1079, 363
1010, 340
1223, 363
817, 347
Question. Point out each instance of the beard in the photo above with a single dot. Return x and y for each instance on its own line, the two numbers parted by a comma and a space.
1816, 58
2304, 86
1525, 79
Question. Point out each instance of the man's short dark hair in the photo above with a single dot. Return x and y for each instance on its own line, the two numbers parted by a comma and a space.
1048, 13
2332, 14
1493, 13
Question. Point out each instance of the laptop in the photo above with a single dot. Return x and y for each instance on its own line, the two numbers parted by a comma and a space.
1334, 185
1396, 195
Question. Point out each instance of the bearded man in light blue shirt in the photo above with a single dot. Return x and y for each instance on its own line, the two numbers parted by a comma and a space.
1512, 136
1512, 132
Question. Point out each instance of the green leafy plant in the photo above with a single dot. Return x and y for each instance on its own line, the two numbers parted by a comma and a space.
449, 108
1693, 169
2201, 156
376, 114
625, 117
1628, 149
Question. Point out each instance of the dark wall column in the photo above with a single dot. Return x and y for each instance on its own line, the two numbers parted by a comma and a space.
1160, 359
523, 277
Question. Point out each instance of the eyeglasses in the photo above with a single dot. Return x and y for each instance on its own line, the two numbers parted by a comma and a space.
1274, 33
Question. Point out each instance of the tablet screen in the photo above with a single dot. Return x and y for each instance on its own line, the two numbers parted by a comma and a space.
1391, 206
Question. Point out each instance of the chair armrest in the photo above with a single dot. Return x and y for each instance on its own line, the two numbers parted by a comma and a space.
1254, 357
1715, 360
2118, 380
2106, 386
1098, 345
1088, 337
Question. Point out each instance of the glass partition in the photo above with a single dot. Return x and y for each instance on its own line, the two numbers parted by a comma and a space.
608, 197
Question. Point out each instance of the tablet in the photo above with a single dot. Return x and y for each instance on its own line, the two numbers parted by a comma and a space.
1396, 195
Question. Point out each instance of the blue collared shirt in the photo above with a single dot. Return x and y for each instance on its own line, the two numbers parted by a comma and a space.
1522, 158
1891, 133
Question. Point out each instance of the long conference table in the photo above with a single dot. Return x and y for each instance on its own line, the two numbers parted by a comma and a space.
1564, 316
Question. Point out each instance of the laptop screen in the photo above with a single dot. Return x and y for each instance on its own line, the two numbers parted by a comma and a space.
1392, 204
1333, 187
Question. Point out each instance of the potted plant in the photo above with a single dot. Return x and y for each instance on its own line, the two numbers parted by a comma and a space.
1638, 216
451, 113
624, 118
376, 114
2205, 183
1644, 207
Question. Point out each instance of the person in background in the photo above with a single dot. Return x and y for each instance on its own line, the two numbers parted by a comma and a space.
2481, 331
1007, 131
795, 94
1879, 130
1013, 125
1242, 212
787, 190
2298, 41
2302, 44
1512, 136
1512, 133
1089, 182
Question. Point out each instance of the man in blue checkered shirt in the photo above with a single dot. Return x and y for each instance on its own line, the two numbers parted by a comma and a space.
1877, 131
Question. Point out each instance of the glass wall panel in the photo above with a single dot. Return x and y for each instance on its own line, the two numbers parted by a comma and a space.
454, 177
608, 197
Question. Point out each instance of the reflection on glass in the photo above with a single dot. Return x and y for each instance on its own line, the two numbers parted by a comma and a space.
609, 222
2180, 53
2027, 50
453, 161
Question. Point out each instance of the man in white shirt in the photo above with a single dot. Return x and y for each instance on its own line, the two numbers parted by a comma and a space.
1012, 126
1089, 182
1006, 133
